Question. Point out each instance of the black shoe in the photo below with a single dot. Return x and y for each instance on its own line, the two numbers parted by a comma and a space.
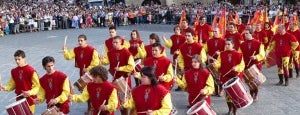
286, 81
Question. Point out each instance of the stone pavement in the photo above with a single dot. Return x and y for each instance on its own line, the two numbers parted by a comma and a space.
273, 100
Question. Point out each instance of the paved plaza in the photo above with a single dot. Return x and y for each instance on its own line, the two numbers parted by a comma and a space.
273, 100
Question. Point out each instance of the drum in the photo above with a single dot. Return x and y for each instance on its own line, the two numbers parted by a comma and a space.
201, 108
271, 59
238, 93
20, 107
123, 88
83, 81
51, 111
214, 73
253, 77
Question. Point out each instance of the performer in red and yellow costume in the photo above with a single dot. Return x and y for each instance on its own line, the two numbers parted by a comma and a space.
294, 30
236, 36
55, 87
203, 30
24, 80
101, 93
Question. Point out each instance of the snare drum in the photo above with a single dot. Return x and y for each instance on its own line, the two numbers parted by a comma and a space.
238, 93
253, 77
122, 87
201, 108
83, 81
51, 111
214, 73
20, 107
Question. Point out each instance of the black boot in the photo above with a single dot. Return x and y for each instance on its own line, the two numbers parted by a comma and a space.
286, 80
297, 73
280, 79
291, 73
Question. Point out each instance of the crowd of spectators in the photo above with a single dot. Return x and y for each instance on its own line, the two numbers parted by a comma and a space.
17, 17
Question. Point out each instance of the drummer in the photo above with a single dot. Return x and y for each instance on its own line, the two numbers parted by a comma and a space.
101, 93
230, 64
121, 63
150, 97
85, 56
198, 82
24, 80
253, 54
54, 87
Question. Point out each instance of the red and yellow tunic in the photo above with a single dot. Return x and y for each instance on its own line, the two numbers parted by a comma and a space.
134, 47
270, 35
175, 42
237, 38
183, 31
283, 45
147, 97
86, 57
194, 81
55, 86
186, 51
296, 33
97, 93
227, 61
253, 48
162, 66
204, 32
214, 44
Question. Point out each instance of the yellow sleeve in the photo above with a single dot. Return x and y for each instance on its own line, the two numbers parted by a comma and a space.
294, 45
180, 61
210, 87
11, 85
129, 67
261, 55
126, 44
203, 55
143, 53
69, 54
169, 75
41, 95
196, 38
181, 82
129, 104
105, 60
140, 50
217, 64
112, 101
271, 47
95, 60
35, 84
65, 92
240, 67
168, 43
83, 97
166, 106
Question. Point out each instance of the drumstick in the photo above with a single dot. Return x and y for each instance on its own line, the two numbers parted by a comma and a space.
16, 97
250, 59
228, 72
142, 112
116, 70
65, 43
138, 62
100, 106
197, 97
